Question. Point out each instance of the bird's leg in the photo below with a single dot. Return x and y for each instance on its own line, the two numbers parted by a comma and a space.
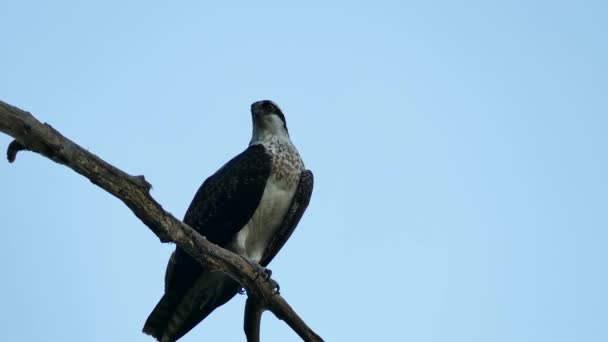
264, 273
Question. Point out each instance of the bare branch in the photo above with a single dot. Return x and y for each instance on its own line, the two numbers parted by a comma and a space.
30, 134
253, 318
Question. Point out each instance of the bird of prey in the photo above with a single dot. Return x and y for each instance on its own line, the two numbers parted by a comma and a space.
250, 206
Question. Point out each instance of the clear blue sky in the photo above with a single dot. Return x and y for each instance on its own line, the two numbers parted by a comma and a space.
459, 148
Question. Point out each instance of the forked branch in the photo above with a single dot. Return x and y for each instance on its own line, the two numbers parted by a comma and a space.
30, 134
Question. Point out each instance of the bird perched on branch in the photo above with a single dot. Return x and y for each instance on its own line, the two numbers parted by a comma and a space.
250, 206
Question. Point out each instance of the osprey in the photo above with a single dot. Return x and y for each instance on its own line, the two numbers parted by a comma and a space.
250, 206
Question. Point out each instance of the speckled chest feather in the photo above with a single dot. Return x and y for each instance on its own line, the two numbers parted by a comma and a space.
286, 162
287, 166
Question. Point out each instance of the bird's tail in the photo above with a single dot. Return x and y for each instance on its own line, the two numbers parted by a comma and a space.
160, 316
175, 315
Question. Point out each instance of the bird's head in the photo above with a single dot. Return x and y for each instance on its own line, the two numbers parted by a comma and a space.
268, 120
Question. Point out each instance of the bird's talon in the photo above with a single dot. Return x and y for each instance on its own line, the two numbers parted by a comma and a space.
266, 274
275, 286
262, 272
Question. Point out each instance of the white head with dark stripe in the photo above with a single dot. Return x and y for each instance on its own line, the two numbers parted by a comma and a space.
268, 121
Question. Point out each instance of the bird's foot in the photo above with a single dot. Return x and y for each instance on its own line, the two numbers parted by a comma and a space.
264, 273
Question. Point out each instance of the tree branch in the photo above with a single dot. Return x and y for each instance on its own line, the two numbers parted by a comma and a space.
30, 134
253, 318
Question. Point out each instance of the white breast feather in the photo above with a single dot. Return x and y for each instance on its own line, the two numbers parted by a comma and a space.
252, 239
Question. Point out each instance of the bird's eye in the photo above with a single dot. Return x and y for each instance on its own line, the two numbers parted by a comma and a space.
268, 107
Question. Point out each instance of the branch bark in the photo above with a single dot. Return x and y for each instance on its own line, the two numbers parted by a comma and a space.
134, 191
253, 318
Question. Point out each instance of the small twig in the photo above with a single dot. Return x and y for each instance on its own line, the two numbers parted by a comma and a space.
13, 148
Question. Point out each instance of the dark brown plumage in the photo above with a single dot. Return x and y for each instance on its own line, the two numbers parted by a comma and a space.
224, 205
